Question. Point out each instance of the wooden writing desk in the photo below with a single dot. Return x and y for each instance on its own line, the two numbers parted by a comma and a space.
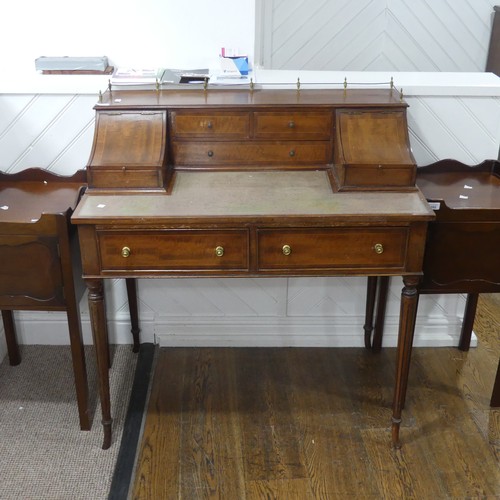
251, 183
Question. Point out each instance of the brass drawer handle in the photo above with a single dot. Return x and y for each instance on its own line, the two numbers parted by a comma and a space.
287, 250
292, 152
210, 154
291, 124
125, 251
219, 251
210, 125
379, 248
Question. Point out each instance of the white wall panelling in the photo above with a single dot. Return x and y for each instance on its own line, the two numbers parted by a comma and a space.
374, 35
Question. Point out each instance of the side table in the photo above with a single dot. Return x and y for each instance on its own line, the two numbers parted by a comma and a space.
462, 247
40, 265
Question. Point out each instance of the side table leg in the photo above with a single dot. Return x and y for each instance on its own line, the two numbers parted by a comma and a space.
10, 338
371, 293
99, 333
408, 313
378, 333
468, 321
134, 314
495, 395
79, 364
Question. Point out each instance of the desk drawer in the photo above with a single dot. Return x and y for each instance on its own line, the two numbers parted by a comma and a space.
174, 250
264, 153
30, 271
202, 125
287, 125
126, 178
332, 248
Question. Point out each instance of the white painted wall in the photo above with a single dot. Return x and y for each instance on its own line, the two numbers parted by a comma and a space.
143, 33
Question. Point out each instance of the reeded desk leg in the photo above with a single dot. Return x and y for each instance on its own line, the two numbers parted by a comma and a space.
408, 313
99, 333
134, 314
10, 337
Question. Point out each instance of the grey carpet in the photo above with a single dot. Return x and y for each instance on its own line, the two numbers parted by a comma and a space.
43, 452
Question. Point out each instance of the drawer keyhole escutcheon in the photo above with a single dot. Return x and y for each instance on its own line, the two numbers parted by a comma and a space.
379, 248
219, 251
125, 251
287, 250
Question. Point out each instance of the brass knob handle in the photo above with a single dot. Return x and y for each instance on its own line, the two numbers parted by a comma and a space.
292, 152
379, 248
210, 154
219, 251
210, 125
125, 251
291, 124
287, 250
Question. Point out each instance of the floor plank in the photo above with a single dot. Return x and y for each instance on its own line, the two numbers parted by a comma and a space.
315, 423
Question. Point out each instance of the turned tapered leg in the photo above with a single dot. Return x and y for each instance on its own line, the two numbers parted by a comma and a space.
408, 313
99, 333
134, 314
10, 337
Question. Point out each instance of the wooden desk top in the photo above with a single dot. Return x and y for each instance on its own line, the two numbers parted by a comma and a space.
256, 194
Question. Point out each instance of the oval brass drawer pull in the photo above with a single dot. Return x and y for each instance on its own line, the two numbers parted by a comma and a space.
287, 250
379, 248
125, 251
219, 251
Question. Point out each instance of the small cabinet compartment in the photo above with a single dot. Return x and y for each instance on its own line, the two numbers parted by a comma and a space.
331, 248
174, 250
30, 270
372, 150
129, 150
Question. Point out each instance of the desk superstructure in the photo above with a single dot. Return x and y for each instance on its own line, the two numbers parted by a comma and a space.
252, 183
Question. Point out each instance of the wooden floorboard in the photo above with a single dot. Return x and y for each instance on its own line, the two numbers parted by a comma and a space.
313, 423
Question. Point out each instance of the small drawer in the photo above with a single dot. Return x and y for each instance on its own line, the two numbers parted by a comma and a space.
332, 248
379, 175
215, 125
30, 271
126, 178
258, 152
174, 250
313, 126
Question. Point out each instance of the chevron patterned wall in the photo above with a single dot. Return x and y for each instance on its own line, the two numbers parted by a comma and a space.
375, 35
